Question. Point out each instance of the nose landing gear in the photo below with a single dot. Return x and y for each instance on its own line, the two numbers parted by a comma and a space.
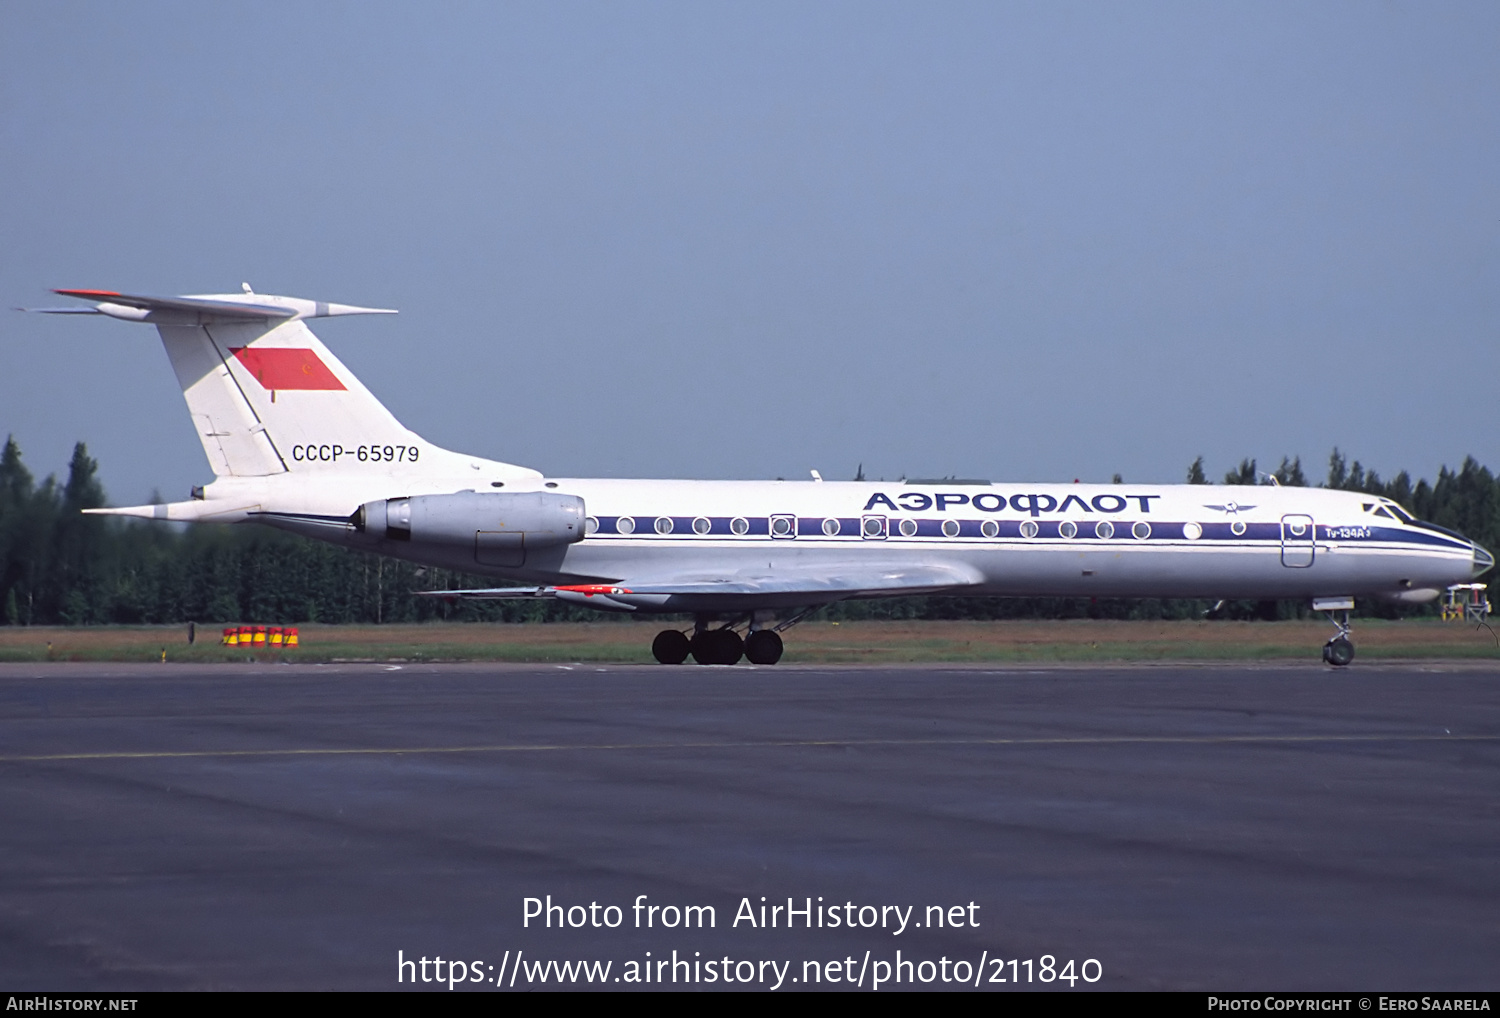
1338, 651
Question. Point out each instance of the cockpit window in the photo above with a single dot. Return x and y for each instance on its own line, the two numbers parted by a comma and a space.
1387, 507
1380, 511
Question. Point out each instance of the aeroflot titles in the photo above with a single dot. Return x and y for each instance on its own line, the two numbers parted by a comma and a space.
990, 502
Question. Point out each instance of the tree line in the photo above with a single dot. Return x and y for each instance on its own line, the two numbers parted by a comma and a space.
61, 567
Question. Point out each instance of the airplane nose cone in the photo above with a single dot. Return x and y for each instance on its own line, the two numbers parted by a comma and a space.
1483, 560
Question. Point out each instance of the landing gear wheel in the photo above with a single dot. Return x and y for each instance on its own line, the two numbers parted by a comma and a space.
670, 647
763, 647
1338, 651
717, 647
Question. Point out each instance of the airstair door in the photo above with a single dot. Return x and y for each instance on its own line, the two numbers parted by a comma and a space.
1297, 541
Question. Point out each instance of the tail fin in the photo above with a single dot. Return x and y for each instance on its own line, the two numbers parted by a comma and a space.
266, 396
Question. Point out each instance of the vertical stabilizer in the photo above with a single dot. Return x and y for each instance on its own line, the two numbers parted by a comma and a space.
266, 396
269, 397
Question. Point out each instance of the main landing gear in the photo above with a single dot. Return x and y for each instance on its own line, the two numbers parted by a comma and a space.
670, 647
724, 646
763, 647
1338, 651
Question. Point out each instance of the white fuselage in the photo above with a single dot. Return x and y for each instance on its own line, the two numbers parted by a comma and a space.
297, 442
1021, 539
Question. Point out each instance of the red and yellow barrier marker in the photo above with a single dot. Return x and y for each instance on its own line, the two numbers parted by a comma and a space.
260, 636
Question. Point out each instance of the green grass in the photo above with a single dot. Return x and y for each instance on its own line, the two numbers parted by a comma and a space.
1081, 641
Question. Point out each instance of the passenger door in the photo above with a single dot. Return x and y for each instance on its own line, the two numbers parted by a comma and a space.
1297, 541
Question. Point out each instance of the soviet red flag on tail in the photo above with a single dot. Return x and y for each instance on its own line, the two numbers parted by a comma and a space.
281, 368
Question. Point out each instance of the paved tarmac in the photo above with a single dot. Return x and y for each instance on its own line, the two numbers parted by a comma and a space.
1185, 827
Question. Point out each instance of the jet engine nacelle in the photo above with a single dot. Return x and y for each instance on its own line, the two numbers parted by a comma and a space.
500, 527
1420, 595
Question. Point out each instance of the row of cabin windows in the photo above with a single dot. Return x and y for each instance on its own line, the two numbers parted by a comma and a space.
781, 526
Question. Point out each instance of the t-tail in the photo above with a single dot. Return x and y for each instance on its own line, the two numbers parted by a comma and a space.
266, 396
271, 404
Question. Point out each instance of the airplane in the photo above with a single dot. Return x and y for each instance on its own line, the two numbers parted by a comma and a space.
296, 442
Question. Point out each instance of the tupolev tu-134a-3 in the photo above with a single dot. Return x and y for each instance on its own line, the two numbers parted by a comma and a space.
296, 442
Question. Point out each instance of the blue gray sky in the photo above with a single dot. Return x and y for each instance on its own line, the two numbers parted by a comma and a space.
1011, 240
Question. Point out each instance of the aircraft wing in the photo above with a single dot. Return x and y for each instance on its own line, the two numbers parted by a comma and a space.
747, 589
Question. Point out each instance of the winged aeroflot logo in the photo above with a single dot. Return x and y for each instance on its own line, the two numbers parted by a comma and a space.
1232, 508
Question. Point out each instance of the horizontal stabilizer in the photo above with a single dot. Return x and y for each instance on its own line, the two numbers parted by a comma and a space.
215, 510
225, 307
217, 308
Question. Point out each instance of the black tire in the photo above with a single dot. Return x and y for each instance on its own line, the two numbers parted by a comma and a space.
702, 647
763, 647
1339, 652
717, 647
731, 647
670, 647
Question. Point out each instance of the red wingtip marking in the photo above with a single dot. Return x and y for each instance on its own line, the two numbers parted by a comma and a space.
590, 589
88, 293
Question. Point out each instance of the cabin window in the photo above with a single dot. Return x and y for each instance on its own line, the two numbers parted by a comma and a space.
1068, 529
908, 528
1237, 528
831, 527
590, 526
625, 525
990, 529
874, 526
1192, 531
782, 526
1140, 530
950, 528
1104, 530
1029, 529
664, 524
739, 526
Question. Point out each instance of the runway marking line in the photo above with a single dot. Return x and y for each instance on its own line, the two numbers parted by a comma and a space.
1120, 740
